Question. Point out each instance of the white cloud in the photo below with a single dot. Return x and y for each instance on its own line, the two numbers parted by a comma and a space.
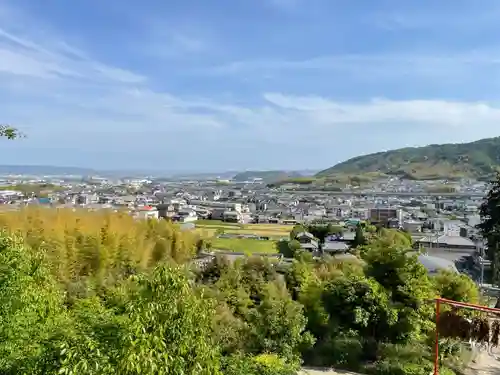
372, 66
448, 114
67, 100
54, 59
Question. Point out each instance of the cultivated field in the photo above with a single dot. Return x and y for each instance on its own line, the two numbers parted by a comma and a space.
213, 228
244, 245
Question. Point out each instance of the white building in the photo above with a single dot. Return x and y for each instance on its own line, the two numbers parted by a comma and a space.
145, 212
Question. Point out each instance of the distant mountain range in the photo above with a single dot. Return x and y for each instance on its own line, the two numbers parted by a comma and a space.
271, 176
479, 159
47, 170
50, 170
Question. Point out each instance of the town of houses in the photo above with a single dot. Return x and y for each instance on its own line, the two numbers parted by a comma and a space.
443, 225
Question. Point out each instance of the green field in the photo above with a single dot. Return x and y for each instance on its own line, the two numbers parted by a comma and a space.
244, 245
210, 228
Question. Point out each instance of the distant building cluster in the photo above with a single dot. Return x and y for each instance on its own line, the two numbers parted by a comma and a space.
441, 226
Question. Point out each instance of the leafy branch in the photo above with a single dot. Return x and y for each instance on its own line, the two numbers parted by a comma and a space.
9, 132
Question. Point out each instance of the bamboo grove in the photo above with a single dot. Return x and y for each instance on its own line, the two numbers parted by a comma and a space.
101, 245
97, 292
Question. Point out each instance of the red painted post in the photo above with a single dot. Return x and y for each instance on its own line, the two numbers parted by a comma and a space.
436, 344
464, 305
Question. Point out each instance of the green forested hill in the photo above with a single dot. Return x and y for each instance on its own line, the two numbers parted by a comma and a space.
479, 159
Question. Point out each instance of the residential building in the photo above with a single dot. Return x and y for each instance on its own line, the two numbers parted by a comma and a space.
382, 215
145, 212
307, 241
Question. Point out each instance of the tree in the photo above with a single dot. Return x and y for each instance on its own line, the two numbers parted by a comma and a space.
359, 305
409, 287
370, 228
359, 238
289, 249
457, 287
490, 225
393, 238
153, 324
296, 230
214, 270
299, 276
319, 231
31, 310
278, 325
263, 364
9, 132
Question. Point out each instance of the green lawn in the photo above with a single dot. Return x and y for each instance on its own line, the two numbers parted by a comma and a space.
216, 223
244, 245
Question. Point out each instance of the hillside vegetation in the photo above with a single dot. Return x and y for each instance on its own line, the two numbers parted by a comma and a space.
479, 159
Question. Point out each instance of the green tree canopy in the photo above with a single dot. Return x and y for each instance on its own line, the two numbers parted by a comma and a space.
359, 238
153, 324
32, 316
457, 287
490, 225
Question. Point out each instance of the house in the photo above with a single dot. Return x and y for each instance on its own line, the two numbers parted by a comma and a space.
146, 212
307, 241
165, 210
393, 223
217, 214
346, 237
412, 226
334, 247
85, 199
186, 215
234, 194
218, 205
447, 242
382, 215
232, 216
435, 264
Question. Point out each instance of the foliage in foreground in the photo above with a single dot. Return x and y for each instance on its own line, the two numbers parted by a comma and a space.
9, 132
84, 293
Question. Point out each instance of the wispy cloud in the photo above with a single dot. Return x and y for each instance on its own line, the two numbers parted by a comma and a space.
447, 114
54, 59
376, 74
188, 44
403, 62
171, 38
454, 18
71, 103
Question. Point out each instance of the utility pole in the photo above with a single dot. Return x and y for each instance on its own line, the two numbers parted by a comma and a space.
430, 238
494, 265
481, 280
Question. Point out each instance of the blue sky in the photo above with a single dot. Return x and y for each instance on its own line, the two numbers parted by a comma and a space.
243, 84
